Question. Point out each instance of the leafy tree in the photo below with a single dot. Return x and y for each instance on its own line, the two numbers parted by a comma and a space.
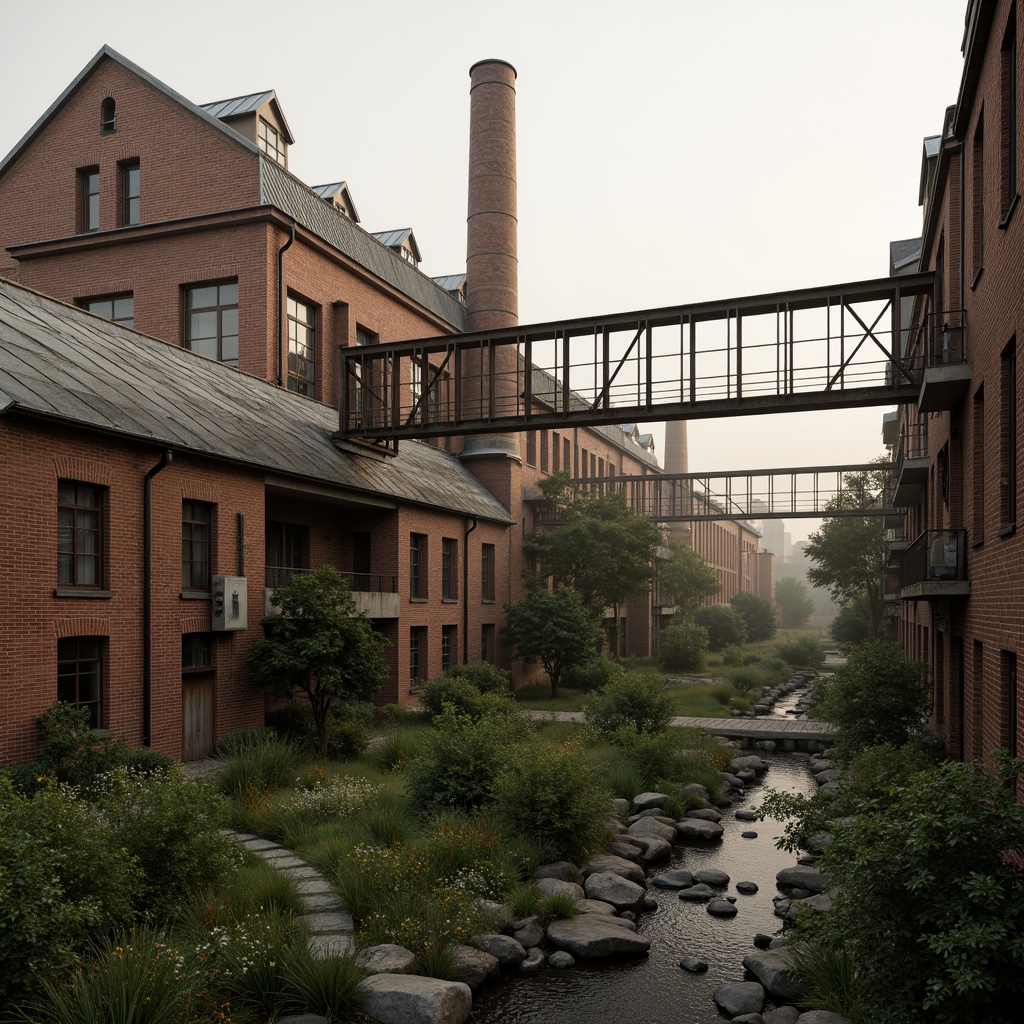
724, 624
319, 644
795, 602
848, 551
876, 697
599, 546
686, 579
634, 699
552, 627
850, 626
758, 616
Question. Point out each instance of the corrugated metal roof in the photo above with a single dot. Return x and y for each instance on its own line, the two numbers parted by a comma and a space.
65, 364
238, 105
903, 252
394, 237
280, 188
450, 282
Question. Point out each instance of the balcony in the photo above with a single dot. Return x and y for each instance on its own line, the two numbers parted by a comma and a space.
375, 595
911, 474
947, 374
934, 567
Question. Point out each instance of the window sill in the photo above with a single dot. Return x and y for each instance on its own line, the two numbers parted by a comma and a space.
977, 278
1007, 529
82, 592
196, 595
449, 600
978, 543
488, 600
1008, 214
417, 600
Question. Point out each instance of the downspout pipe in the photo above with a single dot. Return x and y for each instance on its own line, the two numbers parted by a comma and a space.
280, 306
147, 597
465, 590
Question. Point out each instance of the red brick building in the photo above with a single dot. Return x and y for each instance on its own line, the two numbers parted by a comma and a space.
157, 485
957, 563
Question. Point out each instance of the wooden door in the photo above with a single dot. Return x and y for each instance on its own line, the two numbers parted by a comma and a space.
196, 719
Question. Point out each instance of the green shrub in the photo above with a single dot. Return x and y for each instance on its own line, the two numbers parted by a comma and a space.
652, 755
461, 757
137, 979
487, 678
682, 646
63, 879
460, 693
146, 761
931, 873
724, 624
559, 906
396, 748
593, 675
804, 652
732, 655
876, 697
72, 753
258, 763
243, 740
552, 794
347, 726
170, 826
630, 699
747, 680
623, 780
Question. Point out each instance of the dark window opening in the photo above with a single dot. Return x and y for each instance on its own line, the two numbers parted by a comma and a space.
79, 535
80, 675
108, 116
196, 520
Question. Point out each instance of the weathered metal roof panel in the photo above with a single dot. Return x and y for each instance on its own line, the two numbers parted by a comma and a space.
62, 363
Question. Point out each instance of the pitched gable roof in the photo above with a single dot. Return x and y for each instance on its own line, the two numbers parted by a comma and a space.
68, 366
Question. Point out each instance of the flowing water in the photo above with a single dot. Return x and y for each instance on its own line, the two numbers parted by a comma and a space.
654, 989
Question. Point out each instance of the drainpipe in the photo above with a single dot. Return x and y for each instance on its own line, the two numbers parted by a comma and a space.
465, 591
280, 307
147, 597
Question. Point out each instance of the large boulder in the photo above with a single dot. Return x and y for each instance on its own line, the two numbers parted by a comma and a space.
473, 966
410, 999
652, 827
803, 877
616, 865
497, 917
387, 958
593, 935
749, 763
528, 932
620, 892
740, 997
694, 828
627, 848
781, 1015
704, 813
774, 969
551, 886
645, 801
676, 878
712, 876
561, 869
586, 906
699, 893
503, 948
654, 848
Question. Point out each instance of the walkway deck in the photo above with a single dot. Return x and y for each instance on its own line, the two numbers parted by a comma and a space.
751, 729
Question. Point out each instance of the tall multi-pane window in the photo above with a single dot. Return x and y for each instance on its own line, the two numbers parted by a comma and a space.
89, 186
1008, 437
487, 642
80, 675
1008, 114
531, 447
79, 534
978, 197
978, 467
1008, 669
131, 181
285, 547
487, 572
416, 388
417, 566
211, 321
417, 656
301, 346
196, 521
544, 438
449, 643
556, 453
360, 396
449, 569
119, 308
269, 139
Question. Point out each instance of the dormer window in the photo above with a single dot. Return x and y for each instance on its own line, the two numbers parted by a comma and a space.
269, 140
408, 255
108, 116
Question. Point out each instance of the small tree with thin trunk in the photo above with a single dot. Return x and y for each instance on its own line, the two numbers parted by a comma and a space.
795, 602
320, 644
553, 627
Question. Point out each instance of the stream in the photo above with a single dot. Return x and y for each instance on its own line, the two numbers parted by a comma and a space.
654, 989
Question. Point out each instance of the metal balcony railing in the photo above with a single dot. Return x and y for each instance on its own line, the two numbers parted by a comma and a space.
937, 556
359, 582
947, 337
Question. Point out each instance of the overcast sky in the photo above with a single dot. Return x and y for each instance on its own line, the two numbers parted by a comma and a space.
670, 151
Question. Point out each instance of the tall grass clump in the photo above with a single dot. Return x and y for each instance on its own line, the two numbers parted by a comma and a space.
255, 765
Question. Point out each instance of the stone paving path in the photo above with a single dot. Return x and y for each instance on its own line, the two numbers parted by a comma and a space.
330, 926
